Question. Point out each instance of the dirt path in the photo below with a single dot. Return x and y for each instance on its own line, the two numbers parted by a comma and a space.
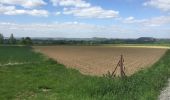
8, 64
165, 94
17, 63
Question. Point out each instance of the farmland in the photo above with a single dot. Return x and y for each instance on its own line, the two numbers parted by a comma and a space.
98, 60
36, 77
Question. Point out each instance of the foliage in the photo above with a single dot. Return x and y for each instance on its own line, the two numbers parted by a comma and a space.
12, 39
26, 41
1, 38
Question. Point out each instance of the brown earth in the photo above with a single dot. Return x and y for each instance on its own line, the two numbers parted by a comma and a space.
98, 60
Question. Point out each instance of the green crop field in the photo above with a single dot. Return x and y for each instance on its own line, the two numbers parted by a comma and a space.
26, 75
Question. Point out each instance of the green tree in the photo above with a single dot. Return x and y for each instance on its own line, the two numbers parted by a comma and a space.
23, 41
1, 39
12, 39
26, 41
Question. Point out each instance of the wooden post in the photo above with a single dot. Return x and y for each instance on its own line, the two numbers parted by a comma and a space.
122, 67
122, 73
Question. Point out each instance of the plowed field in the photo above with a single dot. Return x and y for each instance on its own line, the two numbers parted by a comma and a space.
98, 60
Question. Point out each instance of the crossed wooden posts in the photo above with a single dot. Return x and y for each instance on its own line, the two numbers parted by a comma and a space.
122, 67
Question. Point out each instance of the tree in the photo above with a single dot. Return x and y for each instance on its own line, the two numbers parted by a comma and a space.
12, 40
26, 41
23, 41
1, 38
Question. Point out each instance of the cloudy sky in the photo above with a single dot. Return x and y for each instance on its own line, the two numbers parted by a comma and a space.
85, 18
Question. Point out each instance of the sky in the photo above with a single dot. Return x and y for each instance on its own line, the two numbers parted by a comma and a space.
85, 18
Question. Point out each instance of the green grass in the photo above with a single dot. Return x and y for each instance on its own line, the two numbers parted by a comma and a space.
18, 54
45, 79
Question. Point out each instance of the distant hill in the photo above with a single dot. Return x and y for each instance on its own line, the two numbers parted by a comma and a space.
146, 39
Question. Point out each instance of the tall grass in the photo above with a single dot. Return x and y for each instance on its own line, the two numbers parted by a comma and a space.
48, 80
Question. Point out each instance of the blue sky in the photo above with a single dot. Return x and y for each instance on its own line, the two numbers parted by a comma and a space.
85, 18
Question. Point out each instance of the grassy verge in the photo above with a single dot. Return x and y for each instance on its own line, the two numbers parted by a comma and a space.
45, 79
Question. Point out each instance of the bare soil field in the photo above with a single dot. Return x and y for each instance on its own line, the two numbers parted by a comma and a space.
98, 60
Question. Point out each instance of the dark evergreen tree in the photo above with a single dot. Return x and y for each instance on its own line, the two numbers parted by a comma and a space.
12, 39
1, 39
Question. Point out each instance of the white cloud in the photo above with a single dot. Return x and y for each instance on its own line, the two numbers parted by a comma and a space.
66, 29
11, 10
24, 3
160, 4
156, 21
75, 3
81, 8
37, 12
57, 13
92, 12
4, 9
132, 20
80, 30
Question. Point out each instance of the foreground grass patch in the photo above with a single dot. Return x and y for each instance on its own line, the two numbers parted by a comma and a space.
17, 54
47, 80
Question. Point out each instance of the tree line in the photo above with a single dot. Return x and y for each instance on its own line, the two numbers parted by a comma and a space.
68, 41
12, 40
